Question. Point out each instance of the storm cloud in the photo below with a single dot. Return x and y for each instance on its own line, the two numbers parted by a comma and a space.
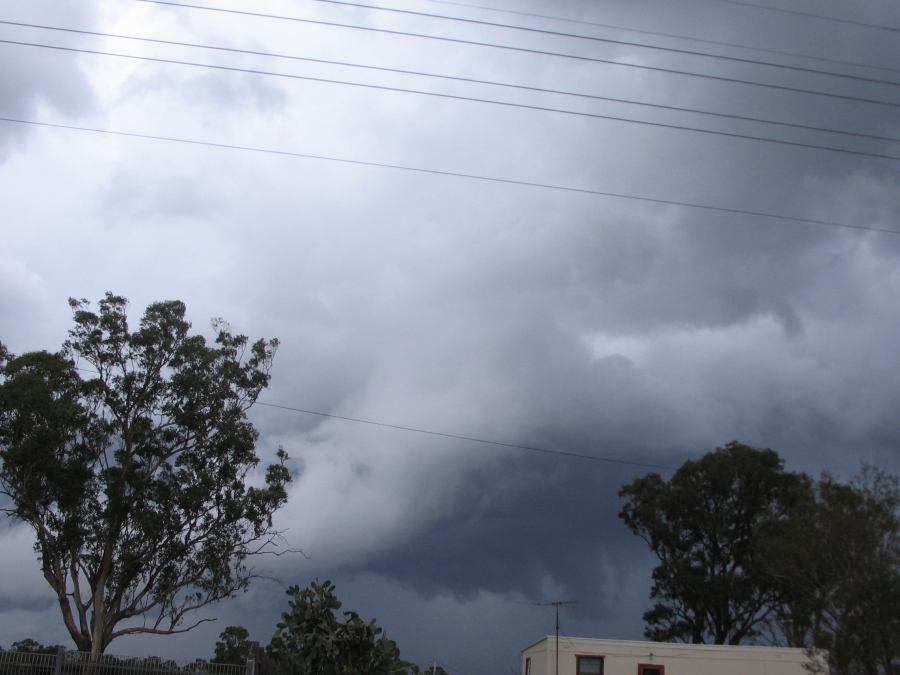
637, 331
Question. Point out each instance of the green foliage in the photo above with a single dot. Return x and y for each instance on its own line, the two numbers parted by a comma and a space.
232, 646
30, 646
128, 453
748, 551
312, 639
701, 524
838, 564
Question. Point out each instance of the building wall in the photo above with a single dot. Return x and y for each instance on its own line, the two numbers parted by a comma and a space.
622, 657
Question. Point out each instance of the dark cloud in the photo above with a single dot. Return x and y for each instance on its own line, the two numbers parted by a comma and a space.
621, 328
33, 81
530, 521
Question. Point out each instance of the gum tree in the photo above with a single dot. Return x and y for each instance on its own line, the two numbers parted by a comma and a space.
312, 638
838, 565
703, 525
130, 455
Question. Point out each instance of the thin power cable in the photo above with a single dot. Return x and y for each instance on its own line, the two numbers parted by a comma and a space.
526, 50
457, 174
455, 78
811, 15
624, 43
471, 439
688, 38
470, 99
458, 437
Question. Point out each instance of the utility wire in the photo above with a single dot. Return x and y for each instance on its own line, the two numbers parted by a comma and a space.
455, 78
459, 437
458, 174
526, 50
624, 43
719, 43
471, 439
823, 17
471, 99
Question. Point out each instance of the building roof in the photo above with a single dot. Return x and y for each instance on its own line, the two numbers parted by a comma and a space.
570, 643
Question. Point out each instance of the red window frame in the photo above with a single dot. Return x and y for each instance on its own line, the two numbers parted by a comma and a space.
644, 667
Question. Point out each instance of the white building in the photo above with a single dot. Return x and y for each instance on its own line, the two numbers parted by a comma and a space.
587, 656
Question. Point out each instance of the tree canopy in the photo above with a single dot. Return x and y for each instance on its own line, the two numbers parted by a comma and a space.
130, 455
837, 562
311, 638
233, 646
750, 552
702, 524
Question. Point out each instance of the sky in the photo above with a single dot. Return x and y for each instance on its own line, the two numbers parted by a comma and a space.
470, 271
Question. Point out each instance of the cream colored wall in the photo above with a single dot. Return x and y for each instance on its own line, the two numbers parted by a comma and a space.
621, 657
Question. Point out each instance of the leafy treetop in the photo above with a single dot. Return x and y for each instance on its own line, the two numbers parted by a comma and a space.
130, 454
702, 525
312, 639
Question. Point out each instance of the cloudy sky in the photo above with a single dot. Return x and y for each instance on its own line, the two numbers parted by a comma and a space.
633, 327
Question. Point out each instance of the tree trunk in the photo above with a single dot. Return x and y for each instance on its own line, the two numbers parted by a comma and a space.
98, 630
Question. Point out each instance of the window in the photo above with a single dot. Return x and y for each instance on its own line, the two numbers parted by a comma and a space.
590, 665
527, 665
651, 670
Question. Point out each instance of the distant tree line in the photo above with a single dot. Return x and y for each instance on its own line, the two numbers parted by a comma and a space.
313, 636
751, 553
109, 665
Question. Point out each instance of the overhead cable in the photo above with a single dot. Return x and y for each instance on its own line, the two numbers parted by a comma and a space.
811, 15
458, 174
623, 43
472, 439
676, 36
470, 99
527, 50
459, 437
457, 97
457, 78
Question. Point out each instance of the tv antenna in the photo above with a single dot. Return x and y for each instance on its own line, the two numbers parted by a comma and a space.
557, 604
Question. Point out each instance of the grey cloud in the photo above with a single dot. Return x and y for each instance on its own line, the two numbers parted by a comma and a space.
626, 329
516, 532
133, 197
34, 81
224, 95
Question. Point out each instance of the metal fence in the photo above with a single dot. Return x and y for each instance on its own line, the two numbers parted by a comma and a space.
27, 663
64, 662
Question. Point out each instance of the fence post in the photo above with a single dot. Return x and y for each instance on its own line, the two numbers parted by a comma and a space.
251, 658
60, 659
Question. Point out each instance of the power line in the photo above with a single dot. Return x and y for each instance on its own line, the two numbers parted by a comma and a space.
719, 43
594, 38
811, 15
457, 97
472, 439
455, 78
526, 50
457, 174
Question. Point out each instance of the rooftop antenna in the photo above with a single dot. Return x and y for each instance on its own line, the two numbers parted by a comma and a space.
557, 604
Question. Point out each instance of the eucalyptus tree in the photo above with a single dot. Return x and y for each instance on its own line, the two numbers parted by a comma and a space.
837, 562
704, 525
313, 638
130, 455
